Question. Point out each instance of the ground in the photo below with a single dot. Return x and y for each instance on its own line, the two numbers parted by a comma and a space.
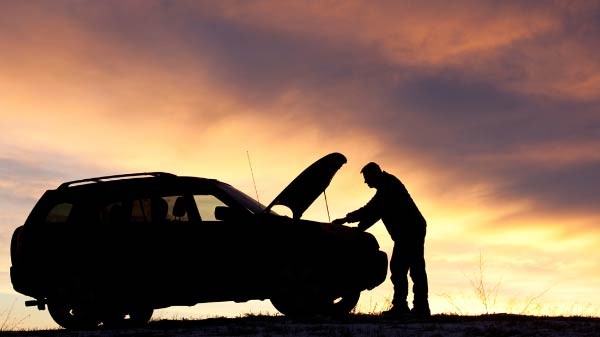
355, 325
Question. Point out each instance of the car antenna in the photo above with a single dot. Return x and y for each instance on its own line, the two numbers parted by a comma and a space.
326, 205
252, 173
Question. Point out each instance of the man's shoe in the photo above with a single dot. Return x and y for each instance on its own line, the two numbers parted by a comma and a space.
396, 312
420, 311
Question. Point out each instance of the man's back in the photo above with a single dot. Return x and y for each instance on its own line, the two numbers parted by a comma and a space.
400, 214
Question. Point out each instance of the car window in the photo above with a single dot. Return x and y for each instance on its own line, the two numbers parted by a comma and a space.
141, 210
147, 210
178, 208
206, 206
114, 213
59, 213
155, 210
241, 198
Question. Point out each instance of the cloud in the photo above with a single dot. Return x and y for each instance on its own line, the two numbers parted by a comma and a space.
464, 87
527, 46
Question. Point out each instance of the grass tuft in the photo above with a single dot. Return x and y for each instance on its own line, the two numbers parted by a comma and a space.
10, 323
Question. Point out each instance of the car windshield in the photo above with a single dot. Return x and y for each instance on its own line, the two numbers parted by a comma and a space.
242, 198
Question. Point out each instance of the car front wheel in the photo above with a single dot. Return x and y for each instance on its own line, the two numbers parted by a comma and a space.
303, 305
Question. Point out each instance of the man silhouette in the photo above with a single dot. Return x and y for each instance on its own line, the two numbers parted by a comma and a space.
406, 225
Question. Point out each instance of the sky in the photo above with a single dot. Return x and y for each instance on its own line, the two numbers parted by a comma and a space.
488, 111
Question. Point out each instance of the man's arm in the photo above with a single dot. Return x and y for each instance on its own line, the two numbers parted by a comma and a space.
366, 215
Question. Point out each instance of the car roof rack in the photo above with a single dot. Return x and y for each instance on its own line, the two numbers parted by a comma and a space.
113, 177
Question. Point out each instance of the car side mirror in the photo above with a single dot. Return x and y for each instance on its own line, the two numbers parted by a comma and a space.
223, 213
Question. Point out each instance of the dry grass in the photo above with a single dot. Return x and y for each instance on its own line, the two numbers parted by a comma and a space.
9, 322
487, 292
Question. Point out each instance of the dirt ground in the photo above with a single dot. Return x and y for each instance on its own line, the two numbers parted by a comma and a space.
356, 325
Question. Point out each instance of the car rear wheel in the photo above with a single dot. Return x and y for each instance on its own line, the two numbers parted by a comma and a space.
80, 317
72, 317
301, 304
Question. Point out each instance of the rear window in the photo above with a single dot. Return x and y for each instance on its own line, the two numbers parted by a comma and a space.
59, 213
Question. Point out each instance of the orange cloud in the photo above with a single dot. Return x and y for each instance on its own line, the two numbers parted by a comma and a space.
526, 46
551, 154
425, 33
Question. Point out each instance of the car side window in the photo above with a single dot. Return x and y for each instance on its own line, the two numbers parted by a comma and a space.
59, 213
173, 208
206, 204
114, 214
146, 210
141, 210
177, 208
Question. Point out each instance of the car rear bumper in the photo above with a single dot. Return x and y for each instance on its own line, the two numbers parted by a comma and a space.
22, 281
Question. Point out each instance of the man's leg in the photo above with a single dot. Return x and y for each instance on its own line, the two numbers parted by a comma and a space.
419, 278
399, 265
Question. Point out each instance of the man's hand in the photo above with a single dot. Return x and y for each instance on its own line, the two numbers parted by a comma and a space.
340, 221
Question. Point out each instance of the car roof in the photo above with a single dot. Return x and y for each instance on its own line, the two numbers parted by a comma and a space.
131, 180
116, 177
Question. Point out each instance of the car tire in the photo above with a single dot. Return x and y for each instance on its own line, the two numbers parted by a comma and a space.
300, 305
140, 316
133, 318
342, 305
72, 317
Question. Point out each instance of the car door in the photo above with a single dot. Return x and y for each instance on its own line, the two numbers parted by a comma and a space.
228, 249
190, 255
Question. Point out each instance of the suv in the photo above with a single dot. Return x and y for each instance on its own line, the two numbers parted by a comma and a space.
109, 250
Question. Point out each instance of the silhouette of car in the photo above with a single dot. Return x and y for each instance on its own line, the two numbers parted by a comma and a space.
107, 251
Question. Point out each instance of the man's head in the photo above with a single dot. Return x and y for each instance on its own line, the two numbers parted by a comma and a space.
372, 173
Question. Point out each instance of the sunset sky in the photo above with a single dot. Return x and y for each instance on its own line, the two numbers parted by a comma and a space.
488, 111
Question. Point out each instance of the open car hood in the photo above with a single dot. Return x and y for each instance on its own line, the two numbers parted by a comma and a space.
307, 186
